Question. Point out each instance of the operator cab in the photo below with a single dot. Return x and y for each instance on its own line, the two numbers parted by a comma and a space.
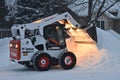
53, 37
54, 34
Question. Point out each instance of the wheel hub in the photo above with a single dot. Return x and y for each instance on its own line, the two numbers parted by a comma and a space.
43, 61
68, 60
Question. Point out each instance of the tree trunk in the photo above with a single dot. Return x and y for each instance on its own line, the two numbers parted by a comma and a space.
89, 10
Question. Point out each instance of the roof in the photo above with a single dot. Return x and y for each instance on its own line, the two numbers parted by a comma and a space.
115, 8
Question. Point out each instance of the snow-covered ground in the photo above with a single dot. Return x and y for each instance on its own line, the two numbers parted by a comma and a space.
106, 68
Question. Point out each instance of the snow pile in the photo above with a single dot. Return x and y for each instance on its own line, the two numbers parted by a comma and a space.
115, 34
110, 44
4, 52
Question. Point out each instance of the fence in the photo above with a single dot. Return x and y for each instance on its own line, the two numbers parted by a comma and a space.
5, 32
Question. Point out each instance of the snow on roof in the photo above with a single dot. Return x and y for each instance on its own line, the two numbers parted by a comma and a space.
118, 13
109, 15
115, 8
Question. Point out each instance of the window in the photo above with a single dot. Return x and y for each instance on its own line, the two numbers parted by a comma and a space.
18, 32
100, 24
54, 34
30, 33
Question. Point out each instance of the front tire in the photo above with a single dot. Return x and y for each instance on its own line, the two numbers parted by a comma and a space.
68, 60
42, 62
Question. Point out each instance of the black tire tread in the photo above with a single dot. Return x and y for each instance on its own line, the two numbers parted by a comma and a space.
35, 65
61, 62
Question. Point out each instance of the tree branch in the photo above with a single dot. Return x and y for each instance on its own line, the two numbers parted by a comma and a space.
94, 5
28, 8
89, 10
107, 9
80, 3
100, 8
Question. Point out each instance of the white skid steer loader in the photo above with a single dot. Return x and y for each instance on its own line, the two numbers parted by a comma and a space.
41, 44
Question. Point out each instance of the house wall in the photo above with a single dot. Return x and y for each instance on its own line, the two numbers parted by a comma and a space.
116, 25
108, 23
83, 20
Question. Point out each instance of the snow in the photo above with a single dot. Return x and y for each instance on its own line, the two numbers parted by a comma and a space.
106, 69
114, 34
110, 15
4, 50
10, 3
116, 8
110, 43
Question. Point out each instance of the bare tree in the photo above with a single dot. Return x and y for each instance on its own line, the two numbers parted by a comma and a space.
95, 7
102, 7
30, 10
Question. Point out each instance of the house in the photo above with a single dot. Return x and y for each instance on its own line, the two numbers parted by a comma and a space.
109, 20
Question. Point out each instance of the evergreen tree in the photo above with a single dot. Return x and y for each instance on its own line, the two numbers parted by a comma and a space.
31, 10
3, 10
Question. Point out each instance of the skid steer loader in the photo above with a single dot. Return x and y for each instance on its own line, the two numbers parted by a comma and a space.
41, 44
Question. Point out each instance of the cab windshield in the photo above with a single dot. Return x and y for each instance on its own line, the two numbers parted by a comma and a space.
54, 33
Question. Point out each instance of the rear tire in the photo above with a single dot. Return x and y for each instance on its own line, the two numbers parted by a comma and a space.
68, 60
42, 62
